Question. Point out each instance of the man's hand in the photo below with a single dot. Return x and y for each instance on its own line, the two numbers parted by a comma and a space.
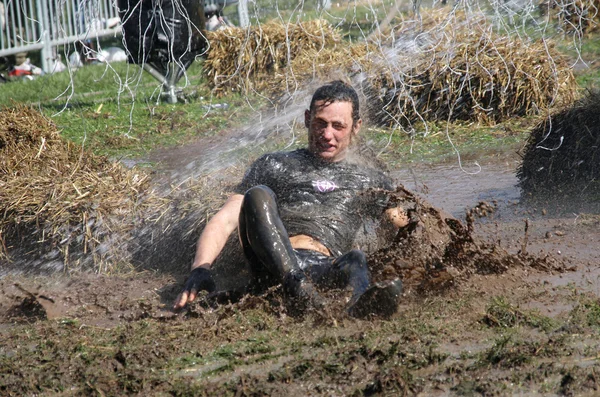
200, 280
397, 216
210, 244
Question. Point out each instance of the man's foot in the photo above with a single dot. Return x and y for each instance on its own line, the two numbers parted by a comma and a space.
300, 293
379, 300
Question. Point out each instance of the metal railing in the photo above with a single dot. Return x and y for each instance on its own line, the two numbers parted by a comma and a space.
31, 25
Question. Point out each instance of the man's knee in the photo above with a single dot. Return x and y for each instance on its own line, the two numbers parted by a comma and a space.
349, 269
355, 260
258, 195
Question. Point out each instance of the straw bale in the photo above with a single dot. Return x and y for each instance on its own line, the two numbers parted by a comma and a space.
573, 16
562, 151
450, 66
445, 65
240, 59
334, 62
58, 200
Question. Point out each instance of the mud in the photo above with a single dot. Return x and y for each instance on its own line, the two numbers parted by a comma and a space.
492, 307
95, 300
435, 250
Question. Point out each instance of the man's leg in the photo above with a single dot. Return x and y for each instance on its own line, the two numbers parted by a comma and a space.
351, 270
262, 235
267, 246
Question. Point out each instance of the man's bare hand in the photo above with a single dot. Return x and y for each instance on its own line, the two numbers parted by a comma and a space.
397, 216
200, 280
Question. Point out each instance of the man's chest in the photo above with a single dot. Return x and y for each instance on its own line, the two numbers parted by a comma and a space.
318, 186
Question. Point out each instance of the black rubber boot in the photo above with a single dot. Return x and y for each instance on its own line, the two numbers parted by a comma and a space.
300, 293
380, 300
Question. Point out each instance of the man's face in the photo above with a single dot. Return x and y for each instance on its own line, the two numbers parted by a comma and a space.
330, 129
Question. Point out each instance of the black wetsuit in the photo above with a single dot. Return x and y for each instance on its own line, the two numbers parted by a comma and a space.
292, 193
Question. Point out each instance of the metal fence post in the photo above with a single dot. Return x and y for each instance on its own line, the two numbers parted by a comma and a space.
324, 4
243, 13
44, 22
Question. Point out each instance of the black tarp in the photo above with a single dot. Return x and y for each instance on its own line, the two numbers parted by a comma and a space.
161, 31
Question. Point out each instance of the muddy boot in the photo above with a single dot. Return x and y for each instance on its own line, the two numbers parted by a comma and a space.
379, 300
300, 293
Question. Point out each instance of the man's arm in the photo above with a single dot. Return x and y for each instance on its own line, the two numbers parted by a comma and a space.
209, 246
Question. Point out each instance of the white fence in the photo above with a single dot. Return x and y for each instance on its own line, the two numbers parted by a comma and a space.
30, 25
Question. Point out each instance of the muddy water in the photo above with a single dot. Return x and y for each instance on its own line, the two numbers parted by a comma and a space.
455, 190
565, 229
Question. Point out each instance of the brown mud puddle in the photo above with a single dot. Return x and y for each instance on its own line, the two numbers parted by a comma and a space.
568, 230
500, 322
94, 300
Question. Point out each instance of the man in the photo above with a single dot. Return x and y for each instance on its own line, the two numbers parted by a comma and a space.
297, 214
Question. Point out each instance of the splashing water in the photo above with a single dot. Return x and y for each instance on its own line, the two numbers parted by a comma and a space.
278, 129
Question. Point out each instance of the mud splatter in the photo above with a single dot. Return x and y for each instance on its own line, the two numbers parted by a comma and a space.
435, 250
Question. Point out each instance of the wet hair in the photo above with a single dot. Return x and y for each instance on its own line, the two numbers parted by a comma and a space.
336, 91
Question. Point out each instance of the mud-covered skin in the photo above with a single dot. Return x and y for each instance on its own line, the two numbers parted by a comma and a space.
318, 198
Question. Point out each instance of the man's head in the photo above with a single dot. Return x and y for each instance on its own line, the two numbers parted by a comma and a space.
332, 120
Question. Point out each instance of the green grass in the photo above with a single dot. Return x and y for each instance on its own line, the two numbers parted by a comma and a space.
587, 51
586, 314
443, 142
118, 111
503, 314
590, 79
91, 83
133, 129
590, 53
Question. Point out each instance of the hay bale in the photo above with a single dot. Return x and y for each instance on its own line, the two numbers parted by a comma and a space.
240, 59
573, 17
337, 61
454, 66
447, 65
561, 154
58, 201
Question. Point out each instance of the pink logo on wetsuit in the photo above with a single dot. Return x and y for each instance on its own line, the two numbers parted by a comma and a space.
324, 186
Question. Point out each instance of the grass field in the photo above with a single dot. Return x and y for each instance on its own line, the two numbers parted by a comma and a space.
118, 110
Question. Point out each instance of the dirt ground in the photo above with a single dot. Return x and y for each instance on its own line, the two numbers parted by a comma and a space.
531, 327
